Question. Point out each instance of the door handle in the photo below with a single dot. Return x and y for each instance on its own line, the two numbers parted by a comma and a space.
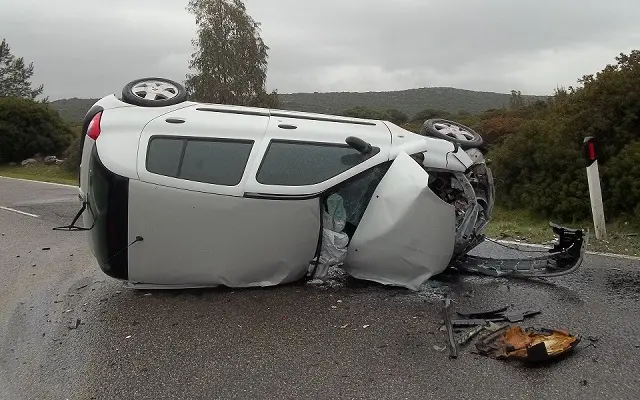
287, 126
175, 120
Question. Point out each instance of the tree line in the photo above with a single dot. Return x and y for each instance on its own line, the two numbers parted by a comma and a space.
533, 147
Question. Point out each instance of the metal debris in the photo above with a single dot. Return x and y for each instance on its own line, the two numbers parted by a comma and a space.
496, 315
470, 335
484, 313
453, 346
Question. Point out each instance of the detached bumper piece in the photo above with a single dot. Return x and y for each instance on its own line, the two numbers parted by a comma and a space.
564, 258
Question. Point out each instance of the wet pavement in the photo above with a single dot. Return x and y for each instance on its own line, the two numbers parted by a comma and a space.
69, 332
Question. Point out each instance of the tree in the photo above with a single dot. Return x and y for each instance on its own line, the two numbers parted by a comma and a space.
15, 75
429, 114
29, 127
516, 101
230, 61
397, 116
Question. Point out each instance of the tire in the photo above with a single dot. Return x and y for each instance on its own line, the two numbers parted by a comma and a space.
429, 129
165, 95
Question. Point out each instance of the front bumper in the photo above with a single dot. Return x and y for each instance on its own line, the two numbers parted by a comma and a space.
564, 258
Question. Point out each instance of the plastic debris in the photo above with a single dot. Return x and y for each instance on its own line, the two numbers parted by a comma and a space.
439, 348
528, 344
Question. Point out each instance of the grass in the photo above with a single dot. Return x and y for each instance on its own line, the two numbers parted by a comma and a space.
519, 225
40, 172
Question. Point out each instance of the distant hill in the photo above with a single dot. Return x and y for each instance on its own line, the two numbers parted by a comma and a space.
410, 101
73, 110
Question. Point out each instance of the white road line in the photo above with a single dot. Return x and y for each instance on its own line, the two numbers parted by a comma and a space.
34, 181
19, 212
593, 253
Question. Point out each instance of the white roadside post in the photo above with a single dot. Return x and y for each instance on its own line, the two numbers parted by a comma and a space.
595, 193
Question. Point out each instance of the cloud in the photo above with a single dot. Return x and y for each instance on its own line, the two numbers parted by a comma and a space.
89, 48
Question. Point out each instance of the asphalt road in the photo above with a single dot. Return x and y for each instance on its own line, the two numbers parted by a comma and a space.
298, 341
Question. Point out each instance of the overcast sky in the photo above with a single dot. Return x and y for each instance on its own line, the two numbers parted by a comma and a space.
89, 48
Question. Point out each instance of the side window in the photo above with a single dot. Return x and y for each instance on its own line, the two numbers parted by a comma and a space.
290, 163
217, 161
163, 156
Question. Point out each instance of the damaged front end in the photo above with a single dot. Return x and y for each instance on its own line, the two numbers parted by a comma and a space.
473, 194
406, 221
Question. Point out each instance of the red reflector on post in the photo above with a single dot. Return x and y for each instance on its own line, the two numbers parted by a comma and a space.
93, 130
592, 151
590, 154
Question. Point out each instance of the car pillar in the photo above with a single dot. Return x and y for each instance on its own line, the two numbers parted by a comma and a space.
595, 193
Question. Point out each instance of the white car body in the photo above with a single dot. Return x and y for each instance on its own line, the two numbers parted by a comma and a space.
232, 215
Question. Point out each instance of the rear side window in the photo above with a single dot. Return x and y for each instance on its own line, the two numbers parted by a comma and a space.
219, 161
290, 163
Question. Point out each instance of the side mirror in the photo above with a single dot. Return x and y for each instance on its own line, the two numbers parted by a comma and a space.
359, 144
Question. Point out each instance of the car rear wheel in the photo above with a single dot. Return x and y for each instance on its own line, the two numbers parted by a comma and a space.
154, 92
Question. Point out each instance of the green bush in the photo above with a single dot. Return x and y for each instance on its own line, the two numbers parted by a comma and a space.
538, 169
28, 127
73, 156
621, 183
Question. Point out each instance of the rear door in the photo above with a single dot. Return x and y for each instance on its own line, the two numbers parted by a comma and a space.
406, 234
205, 149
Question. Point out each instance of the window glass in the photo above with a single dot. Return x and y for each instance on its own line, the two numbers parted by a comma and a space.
217, 162
164, 156
298, 164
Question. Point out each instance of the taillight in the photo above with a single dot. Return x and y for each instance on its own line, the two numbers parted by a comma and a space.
93, 130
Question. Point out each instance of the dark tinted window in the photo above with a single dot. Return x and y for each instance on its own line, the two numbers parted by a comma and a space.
220, 162
164, 156
217, 162
297, 164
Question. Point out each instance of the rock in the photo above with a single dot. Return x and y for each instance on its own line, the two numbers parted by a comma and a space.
50, 160
59, 162
28, 161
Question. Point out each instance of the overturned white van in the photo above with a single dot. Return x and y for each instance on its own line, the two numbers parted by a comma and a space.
179, 194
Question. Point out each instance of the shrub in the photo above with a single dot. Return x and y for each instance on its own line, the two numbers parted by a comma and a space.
539, 169
28, 127
621, 183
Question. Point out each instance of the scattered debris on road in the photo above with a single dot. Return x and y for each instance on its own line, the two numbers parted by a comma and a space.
473, 318
74, 325
506, 340
453, 346
46, 248
527, 344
